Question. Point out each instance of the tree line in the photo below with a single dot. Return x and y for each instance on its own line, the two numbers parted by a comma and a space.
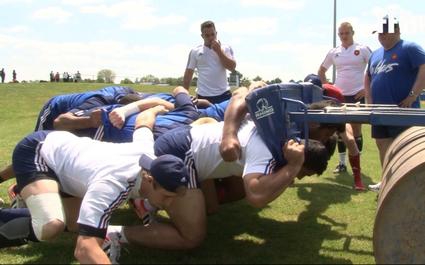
109, 76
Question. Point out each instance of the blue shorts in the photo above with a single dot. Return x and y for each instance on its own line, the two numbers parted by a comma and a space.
380, 132
217, 99
45, 117
185, 113
352, 99
27, 162
177, 142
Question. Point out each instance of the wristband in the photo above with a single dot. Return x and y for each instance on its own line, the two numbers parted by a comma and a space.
131, 109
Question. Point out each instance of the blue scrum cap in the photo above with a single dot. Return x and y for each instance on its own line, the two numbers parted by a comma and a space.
168, 170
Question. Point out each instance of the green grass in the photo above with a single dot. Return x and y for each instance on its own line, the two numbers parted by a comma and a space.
318, 220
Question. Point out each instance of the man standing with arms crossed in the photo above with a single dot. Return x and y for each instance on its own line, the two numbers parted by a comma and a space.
350, 60
212, 59
395, 75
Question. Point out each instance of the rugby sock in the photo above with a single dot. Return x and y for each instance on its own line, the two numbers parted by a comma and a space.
342, 158
341, 150
355, 166
359, 142
118, 229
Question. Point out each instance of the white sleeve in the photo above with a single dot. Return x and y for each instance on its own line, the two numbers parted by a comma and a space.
258, 157
229, 52
100, 200
191, 61
328, 62
144, 137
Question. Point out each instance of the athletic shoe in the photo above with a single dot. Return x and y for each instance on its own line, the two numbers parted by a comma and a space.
112, 247
340, 168
144, 214
375, 187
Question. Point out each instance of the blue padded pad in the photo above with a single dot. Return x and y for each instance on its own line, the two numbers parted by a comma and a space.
270, 113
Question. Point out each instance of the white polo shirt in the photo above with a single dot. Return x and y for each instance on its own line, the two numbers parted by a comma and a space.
212, 75
101, 173
350, 66
206, 138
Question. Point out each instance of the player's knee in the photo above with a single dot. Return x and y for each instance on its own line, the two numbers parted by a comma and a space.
194, 239
179, 90
48, 218
51, 230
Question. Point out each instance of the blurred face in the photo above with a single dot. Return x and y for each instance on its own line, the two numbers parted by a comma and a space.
209, 34
388, 40
151, 190
346, 34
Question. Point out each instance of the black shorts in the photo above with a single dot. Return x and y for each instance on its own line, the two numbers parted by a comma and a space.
380, 132
351, 99
217, 99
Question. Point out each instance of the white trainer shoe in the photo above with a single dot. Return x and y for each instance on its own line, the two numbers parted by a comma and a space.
375, 187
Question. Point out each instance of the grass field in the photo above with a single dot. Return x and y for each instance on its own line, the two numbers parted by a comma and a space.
318, 220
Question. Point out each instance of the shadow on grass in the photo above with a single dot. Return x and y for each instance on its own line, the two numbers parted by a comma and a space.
240, 234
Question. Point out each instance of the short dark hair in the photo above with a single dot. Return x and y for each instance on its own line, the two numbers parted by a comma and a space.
316, 156
127, 99
207, 24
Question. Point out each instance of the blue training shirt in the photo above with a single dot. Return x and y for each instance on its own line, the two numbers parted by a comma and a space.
393, 72
76, 102
184, 114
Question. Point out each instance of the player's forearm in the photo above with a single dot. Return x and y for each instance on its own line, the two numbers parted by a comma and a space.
263, 189
235, 112
367, 89
152, 102
69, 122
322, 74
228, 63
187, 78
419, 84
147, 118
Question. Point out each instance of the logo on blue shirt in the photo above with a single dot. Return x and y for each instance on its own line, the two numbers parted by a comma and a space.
382, 67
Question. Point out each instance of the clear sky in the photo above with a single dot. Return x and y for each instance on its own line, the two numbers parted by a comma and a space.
271, 38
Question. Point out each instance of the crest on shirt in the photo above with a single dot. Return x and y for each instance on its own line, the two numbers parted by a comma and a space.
263, 109
394, 56
356, 52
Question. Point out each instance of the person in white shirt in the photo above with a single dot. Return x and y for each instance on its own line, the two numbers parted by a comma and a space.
212, 59
350, 60
198, 146
94, 177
